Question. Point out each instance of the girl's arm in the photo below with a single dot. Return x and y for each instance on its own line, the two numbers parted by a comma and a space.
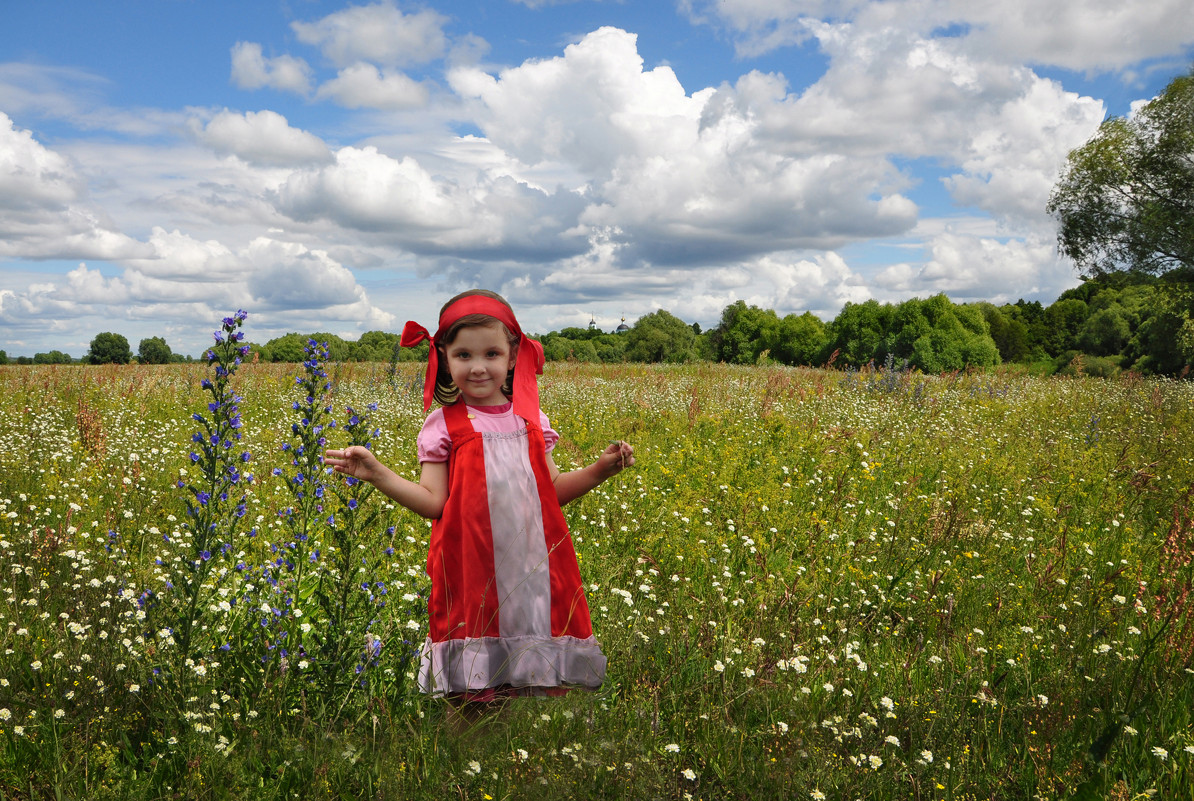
426, 498
571, 485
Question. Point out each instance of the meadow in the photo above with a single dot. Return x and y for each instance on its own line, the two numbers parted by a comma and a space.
813, 584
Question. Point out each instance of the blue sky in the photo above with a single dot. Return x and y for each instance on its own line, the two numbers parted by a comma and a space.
338, 167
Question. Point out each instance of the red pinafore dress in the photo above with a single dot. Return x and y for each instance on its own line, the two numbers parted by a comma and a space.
507, 612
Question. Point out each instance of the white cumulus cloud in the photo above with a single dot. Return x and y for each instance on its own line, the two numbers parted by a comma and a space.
365, 86
252, 70
261, 137
31, 176
378, 33
687, 179
1092, 35
43, 208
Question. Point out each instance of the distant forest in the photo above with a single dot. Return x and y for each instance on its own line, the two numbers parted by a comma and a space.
1108, 324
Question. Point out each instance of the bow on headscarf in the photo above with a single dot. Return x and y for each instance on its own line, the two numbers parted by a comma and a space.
528, 364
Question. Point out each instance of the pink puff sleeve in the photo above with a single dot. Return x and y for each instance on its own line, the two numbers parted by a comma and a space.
550, 435
433, 441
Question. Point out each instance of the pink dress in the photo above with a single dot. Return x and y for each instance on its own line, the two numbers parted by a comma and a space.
507, 612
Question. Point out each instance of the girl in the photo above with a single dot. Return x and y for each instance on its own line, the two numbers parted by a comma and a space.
508, 614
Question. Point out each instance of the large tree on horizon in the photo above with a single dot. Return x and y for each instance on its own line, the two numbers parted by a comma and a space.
109, 348
154, 350
1125, 199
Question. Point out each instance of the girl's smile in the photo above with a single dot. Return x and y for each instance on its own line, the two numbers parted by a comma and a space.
479, 359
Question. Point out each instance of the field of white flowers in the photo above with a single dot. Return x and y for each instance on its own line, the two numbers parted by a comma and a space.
813, 584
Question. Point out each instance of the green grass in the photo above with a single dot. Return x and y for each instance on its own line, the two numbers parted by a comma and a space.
810, 583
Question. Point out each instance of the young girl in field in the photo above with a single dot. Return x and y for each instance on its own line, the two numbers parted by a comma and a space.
508, 614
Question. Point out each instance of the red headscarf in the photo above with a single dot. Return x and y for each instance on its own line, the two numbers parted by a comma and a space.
529, 361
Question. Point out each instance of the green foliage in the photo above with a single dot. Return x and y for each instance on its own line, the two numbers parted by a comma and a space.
1008, 332
154, 350
1126, 198
109, 348
53, 357
858, 334
1138, 321
584, 345
563, 348
933, 335
373, 346
661, 337
1163, 342
1104, 333
611, 348
744, 333
286, 348
1062, 322
801, 339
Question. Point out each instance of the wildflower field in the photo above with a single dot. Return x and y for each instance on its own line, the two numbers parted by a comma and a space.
813, 584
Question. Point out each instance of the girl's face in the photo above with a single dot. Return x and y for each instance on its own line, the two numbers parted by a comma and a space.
479, 358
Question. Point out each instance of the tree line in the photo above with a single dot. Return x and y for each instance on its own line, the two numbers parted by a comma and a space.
1109, 323
1112, 322
106, 348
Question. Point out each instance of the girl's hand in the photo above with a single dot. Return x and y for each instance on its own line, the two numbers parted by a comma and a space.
571, 485
615, 458
355, 460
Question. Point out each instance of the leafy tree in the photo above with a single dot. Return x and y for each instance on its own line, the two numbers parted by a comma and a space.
1104, 333
859, 333
292, 347
154, 350
287, 348
800, 339
1007, 330
1032, 315
1125, 199
660, 337
909, 325
3, 357
109, 348
942, 336
373, 346
744, 333
611, 348
555, 348
1062, 321
1163, 342
558, 348
53, 357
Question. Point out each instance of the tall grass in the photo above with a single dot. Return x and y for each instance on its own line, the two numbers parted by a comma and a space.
813, 583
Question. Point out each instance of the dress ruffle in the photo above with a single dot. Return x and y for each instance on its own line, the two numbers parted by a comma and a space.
528, 663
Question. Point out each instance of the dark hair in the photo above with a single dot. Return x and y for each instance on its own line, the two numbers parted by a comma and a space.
446, 391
